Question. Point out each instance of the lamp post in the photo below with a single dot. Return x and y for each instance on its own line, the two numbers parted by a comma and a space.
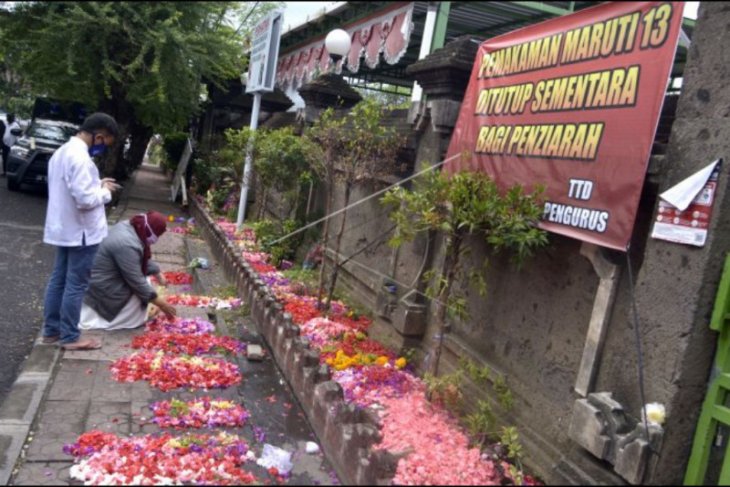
338, 44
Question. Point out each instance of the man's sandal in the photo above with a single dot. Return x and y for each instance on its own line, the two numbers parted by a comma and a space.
49, 340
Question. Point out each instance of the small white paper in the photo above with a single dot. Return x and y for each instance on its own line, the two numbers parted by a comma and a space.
683, 193
312, 447
278, 458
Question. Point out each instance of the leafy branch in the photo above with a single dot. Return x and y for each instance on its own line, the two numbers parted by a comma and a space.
467, 203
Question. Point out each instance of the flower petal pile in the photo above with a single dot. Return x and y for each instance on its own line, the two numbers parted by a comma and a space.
366, 386
188, 326
198, 413
187, 343
440, 452
177, 278
167, 372
320, 331
203, 301
180, 230
105, 459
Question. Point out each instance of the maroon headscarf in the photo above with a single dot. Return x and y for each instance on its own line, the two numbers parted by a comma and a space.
157, 223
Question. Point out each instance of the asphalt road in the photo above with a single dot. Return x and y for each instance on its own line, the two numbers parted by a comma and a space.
25, 264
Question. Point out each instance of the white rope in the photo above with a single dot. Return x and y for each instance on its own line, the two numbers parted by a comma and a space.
351, 205
411, 290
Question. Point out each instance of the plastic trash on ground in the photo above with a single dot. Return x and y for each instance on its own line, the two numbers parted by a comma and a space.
198, 262
275, 457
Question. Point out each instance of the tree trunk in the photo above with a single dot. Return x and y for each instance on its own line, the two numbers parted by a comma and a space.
262, 206
336, 270
114, 163
140, 138
121, 112
294, 205
325, 236
309, 198
451, 261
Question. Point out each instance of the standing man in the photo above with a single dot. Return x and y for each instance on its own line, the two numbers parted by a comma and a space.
2, 145
9, 139
76, 225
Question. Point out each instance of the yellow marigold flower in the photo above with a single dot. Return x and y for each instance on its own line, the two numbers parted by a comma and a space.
382, 360
400, 363
174, 443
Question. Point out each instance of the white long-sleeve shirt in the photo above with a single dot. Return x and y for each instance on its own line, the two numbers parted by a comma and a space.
76, 200
8, 138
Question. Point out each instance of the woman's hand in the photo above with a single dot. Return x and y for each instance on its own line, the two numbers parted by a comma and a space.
166, 308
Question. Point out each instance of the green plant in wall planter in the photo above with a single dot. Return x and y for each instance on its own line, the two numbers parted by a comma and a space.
281, 163
481, 423
467, 203
268, 231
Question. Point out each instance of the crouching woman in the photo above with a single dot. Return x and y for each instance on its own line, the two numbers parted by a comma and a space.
119, 291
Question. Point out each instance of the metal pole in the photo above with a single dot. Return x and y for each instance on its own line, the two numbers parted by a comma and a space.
247, 168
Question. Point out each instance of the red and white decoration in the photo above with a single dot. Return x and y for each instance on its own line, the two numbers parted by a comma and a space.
387, 33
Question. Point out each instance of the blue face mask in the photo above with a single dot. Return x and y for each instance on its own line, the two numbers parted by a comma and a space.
96, 149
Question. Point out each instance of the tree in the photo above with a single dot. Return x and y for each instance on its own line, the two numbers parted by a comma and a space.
464, 204
280, 163
141, 62
352, 149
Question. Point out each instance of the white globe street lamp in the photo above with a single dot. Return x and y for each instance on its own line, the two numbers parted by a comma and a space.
338, 44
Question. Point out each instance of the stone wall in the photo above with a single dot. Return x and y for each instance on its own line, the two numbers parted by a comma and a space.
531, 327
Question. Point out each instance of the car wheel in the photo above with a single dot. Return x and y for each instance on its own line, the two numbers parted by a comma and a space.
13, 185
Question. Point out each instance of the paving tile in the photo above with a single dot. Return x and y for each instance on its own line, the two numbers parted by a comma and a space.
112, 417
141, 416
171, 259
167, 267
105, 389
60, 422
192, 312
142, 392
74, 380
44, 473
169, 243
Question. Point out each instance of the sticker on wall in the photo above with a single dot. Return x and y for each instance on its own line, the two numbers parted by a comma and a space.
685, 209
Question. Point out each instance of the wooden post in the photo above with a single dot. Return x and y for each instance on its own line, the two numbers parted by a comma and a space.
602, 306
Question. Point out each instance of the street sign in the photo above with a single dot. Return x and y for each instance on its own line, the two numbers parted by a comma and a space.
261, 78
264, 53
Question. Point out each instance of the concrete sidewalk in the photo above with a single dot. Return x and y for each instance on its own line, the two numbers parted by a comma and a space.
59, 395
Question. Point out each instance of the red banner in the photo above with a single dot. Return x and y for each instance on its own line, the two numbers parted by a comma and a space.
572, 104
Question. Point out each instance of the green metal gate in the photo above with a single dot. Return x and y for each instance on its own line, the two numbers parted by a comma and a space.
709, 463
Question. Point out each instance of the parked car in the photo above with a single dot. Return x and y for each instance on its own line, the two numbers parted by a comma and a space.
28, 158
